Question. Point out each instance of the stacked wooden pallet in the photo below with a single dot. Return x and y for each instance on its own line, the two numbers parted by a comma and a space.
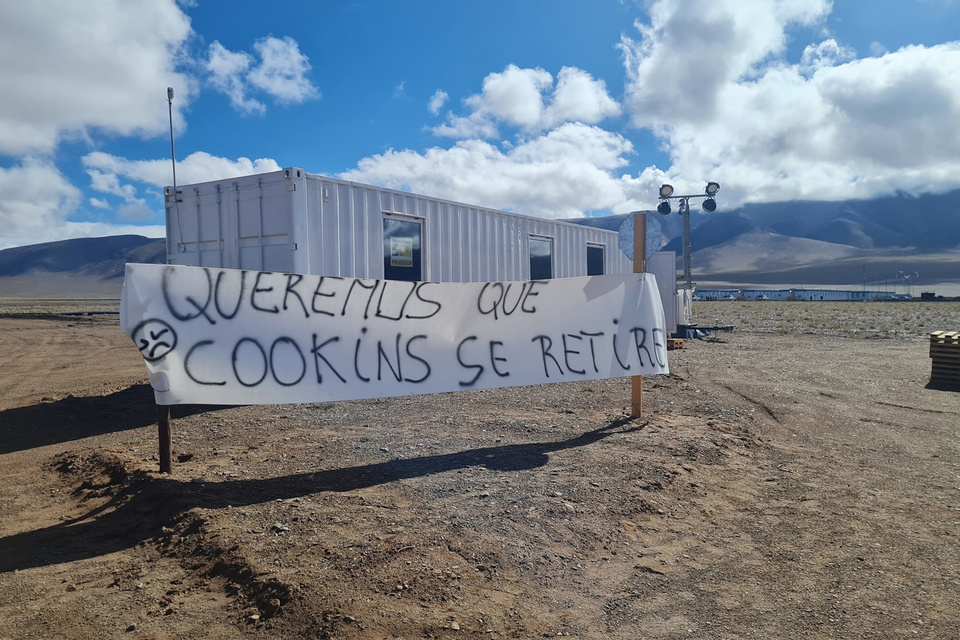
945, 352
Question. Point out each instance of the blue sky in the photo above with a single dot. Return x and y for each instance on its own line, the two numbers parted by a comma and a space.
556, 108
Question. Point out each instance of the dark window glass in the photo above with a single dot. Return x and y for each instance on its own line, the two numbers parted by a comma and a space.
401, 250
541, 259
594, 260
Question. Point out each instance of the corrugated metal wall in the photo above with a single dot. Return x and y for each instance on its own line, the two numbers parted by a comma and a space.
298, 222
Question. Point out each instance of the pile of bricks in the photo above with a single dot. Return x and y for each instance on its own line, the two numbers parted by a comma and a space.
945, 352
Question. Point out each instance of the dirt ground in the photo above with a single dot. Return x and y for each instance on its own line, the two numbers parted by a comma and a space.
794, 478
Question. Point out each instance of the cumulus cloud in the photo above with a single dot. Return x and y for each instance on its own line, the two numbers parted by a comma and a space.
828, 126
36, 201
281, 73
39, 204
197, 167
579, 98
692, 50
97, 69
527, 99
560, 174
826, 54
437, 100
227, 74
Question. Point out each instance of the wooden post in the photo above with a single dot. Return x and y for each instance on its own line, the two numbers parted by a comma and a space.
166, 438
639, 265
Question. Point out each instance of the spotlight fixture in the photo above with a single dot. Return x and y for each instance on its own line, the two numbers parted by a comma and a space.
709, 205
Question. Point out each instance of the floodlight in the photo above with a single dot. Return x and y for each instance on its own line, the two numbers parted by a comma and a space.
666, 191
663, 207
169, 93
709, 205
712, 188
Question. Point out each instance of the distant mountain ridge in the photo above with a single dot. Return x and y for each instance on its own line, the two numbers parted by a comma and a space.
104, 256
80, 267
801, 240
927, 223
785, 242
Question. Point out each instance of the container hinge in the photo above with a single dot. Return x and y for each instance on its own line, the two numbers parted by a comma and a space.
292, 187
293, 246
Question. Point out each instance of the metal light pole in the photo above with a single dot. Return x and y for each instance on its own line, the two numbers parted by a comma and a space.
709, 205
687, 247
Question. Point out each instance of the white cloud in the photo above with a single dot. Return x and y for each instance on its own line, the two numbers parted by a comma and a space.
692, 50
88, 66
826, 54
877, 49
828, 127
36, 200
227, 73
559, 174
579, 98
513, 96
197, 167
519, 98
437, 100
110, 183
282, 71
280, 74
475, 125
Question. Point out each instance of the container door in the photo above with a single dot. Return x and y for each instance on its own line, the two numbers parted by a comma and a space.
402, 248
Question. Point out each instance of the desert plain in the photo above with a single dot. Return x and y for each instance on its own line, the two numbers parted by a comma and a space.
797, 477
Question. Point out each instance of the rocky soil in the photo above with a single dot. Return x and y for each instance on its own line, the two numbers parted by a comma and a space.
794, 478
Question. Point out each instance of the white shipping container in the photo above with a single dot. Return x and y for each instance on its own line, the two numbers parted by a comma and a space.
296, 222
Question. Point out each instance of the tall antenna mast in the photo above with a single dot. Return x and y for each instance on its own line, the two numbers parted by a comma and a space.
173, 154
173, 160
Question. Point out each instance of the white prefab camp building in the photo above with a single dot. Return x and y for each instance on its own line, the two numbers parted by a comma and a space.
297, 222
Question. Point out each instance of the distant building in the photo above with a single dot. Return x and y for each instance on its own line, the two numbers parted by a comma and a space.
805, 295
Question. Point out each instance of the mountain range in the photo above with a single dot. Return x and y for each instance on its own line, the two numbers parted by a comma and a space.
77, 268
852, 243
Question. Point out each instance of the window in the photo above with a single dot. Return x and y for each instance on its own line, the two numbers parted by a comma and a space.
595, 259
402, 240
541, 258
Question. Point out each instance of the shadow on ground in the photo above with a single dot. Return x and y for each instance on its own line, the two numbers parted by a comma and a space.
73, 418
146, 502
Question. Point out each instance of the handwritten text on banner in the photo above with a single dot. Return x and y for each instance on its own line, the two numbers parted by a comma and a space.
219, 336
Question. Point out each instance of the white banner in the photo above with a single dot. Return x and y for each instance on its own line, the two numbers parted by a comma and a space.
221, 336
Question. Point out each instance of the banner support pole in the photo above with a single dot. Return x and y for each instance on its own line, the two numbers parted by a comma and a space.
639, 266
166, 438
